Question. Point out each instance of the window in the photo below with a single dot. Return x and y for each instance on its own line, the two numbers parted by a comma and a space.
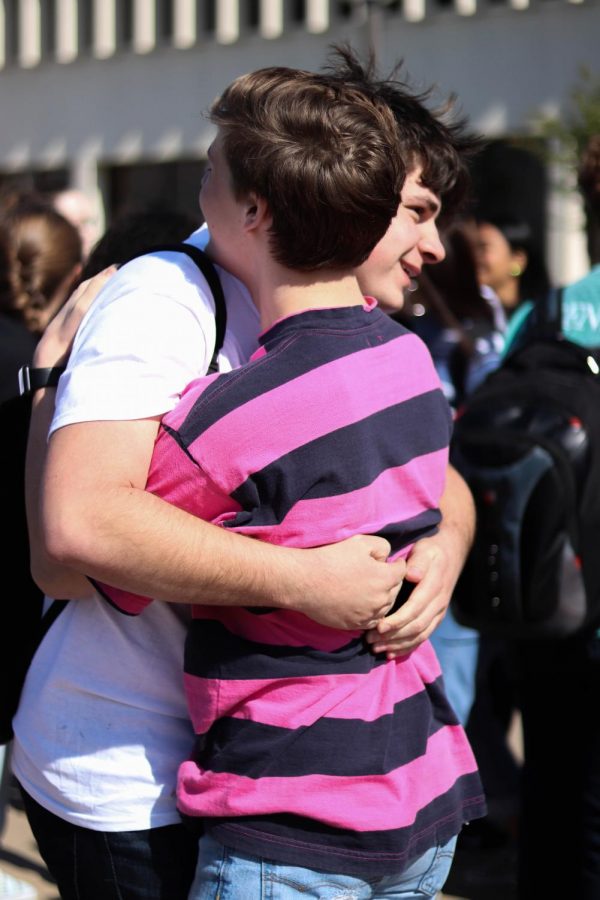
85, 25
250, 14
48, 28
45, 182
207, 15
297, 11
145, 187
11, 30
124, 23
164, 20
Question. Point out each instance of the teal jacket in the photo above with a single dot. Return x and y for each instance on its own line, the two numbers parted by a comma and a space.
580, 317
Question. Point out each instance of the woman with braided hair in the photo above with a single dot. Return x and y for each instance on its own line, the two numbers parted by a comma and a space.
44, 260
40, 258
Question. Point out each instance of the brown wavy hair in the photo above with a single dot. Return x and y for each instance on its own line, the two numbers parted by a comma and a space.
435, 138
41, 249
322, 154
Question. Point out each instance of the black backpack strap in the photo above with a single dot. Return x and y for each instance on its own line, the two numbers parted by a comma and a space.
214, 282
546, 321
50, 616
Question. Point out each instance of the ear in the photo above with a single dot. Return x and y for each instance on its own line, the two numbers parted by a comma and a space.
256, 213
520, 258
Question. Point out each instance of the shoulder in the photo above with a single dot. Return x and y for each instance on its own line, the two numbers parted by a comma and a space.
150, 331
588, 286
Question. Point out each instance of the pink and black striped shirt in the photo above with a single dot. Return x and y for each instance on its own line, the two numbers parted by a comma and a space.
311, 750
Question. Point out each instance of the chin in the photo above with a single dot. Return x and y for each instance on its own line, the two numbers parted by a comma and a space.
393, 304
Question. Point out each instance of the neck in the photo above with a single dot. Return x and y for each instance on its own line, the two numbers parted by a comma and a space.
509, 294
281, 292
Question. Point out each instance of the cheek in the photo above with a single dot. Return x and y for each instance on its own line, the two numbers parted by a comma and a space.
202, 199
373, 273
207, 201
385, 255
499, 263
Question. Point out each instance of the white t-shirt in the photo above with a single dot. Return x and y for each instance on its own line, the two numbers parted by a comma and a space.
102, 724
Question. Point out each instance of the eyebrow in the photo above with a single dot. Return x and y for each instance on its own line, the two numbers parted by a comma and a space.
433, 205
432, 202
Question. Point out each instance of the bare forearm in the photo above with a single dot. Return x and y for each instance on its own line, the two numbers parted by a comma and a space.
457, 527
139, 543
98, 519
143, 545
53, 579
53, 350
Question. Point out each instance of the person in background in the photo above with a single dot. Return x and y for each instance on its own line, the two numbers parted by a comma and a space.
510, 267
44, 261
581, 300
559, 680
462, 325
510, 262
40, 257
135, 233
463, 330
81, 212
17, 343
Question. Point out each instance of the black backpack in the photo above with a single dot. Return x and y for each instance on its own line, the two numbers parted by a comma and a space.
24, 624
528, 444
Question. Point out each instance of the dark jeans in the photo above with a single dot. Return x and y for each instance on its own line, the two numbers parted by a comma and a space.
156, 864
559, 684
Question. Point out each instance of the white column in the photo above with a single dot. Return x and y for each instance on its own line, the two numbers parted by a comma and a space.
317, 16
144, 25
566, 245
465, 7
184, 24
414, 10
104, 27
271, 18
30, 44
66, 30
85, 176
228, 21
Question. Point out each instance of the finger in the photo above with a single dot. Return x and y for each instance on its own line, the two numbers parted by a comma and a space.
370, 626
403, 619
401, 647
378, 547
395, 627
93, 281
396, 571
428, 598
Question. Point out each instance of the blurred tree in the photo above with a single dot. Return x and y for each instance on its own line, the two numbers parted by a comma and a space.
566, 136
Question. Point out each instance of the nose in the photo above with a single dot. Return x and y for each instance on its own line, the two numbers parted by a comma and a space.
430, 245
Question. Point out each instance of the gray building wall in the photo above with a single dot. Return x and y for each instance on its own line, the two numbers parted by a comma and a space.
112, 104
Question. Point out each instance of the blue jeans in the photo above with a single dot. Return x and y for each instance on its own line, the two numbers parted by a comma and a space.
457, 649
156, 864
224, 873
